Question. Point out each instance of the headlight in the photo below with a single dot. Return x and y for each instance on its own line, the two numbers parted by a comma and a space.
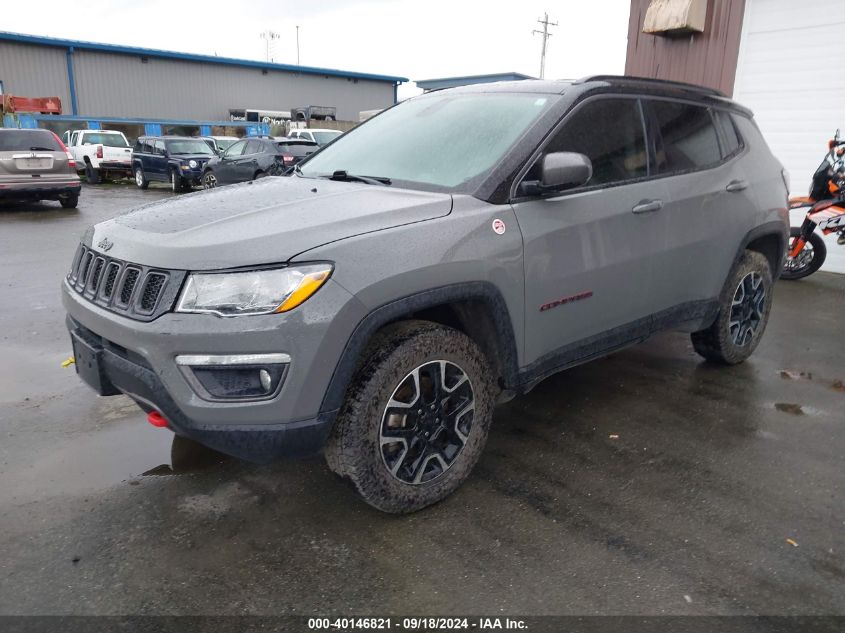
252, 292
192, 164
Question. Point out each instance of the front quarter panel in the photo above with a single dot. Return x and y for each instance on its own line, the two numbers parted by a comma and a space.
382, 267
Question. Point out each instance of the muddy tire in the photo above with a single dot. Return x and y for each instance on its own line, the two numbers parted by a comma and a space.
416, 417
744, 308
92, 175
71, 201
817, 254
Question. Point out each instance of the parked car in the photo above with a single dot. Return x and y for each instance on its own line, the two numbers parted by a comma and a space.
36, 165
179, 160
447, 254
100, 153
219, 143
253, 158
318, 136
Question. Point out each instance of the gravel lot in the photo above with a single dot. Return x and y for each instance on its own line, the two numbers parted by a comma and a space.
646, 483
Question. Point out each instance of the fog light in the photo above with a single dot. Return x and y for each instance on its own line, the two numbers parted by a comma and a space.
235, 377
266, 380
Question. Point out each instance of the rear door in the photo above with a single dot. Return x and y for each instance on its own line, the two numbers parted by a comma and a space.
247, 164
589, 252
708, 200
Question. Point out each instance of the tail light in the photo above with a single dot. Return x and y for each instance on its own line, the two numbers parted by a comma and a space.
287, 158
71, 162
99, 151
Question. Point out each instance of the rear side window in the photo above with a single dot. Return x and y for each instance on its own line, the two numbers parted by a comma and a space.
253, 147
610, 133
28, 141
732, 143
690, 140
297, 149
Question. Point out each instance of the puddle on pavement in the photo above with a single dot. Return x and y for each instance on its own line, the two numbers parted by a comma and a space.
94, 461
796, 409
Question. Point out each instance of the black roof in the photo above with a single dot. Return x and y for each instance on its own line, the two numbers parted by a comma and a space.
614, 83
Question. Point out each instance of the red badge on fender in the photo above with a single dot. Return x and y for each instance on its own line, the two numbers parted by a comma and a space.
498, 226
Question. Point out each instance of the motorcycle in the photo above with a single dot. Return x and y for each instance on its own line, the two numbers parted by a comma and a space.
806, 251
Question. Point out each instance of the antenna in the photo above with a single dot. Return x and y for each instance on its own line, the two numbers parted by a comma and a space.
297, 45
268, 37
546, 35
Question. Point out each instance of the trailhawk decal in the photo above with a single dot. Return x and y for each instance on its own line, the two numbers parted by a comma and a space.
559, 302
498, 227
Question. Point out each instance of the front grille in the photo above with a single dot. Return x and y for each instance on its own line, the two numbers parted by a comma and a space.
136, 291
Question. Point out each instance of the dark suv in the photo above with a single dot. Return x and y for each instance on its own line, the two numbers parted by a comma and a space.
448, 253
179, 160
253, 158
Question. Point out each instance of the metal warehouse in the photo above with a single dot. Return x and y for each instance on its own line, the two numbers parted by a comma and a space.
104, 82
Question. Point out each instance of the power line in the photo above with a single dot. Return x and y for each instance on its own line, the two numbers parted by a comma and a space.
546, 35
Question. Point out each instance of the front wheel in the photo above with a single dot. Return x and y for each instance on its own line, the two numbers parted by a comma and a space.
416, 417
808, 261
140, 178
209, 180
745, 303
176, 183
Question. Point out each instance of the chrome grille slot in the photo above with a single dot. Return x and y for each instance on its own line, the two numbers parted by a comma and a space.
96, 272
132, 290
153, 285
130, 278
111, 277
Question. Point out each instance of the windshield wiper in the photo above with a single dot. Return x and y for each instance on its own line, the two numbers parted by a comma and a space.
345, 176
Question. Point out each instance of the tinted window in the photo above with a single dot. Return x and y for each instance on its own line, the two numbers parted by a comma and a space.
689, 137
298, 149
236, 149
158, 147
732, 142
610, 133
253, 147
28, 140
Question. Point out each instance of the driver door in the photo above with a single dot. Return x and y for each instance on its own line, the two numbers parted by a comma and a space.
588, 251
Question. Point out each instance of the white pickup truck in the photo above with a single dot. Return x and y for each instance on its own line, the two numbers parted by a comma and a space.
100, 153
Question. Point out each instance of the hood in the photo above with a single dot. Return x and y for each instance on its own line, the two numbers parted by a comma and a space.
262, 222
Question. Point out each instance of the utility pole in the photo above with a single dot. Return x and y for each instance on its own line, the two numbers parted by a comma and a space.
546, 35
268, 37
297, 45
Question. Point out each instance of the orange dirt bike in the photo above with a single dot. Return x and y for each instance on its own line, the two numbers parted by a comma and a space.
825, 211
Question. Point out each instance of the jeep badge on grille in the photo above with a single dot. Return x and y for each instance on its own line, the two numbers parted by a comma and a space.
105, 244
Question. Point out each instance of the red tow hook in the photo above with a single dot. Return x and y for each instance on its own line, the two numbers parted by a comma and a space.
157, 419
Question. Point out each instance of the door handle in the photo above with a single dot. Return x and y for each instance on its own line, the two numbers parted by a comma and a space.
647, 206
736, 185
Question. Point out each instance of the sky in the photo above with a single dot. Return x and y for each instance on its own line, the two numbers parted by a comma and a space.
408, 38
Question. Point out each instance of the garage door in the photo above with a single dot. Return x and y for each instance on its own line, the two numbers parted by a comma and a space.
790, 73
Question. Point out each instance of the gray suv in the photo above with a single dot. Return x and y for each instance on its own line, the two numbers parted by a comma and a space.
449, 253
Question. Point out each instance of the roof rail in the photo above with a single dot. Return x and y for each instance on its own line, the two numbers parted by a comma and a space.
662, 82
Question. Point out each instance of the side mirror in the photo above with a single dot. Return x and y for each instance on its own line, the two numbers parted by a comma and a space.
560, 171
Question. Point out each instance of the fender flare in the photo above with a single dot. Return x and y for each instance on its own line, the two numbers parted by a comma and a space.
776, 229
482, 291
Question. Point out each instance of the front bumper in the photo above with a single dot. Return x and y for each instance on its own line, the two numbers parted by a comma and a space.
139, 359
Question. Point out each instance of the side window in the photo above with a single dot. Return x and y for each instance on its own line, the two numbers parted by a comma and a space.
138, 146
610, 133
732, 142
690, 140
158, 148
235, 150
253, 147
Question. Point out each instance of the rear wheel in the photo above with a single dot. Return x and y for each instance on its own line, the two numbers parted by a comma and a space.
140, 178
69, 201
259, 174
416, 417
93, 175
808, 261
745, 304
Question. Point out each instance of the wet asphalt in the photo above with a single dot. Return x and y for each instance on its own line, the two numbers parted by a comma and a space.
645, 483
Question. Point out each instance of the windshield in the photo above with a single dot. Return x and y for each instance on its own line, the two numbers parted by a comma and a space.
189, 146
442, 140
109, 139
323, 138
